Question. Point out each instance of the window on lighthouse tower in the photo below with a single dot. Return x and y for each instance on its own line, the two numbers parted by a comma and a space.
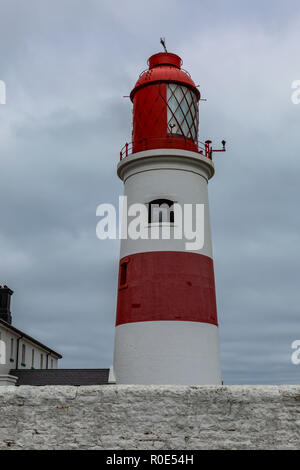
161, 210
182, 113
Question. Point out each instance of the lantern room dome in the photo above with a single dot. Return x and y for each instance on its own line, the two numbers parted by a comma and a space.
164, 67
164, 58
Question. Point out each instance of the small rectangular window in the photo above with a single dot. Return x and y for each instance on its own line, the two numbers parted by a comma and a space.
32, 358
51, 363
23, 353
42, 361
11, 347
123, 274
161, 210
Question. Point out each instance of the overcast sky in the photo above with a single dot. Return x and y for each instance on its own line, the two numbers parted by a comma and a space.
67, 65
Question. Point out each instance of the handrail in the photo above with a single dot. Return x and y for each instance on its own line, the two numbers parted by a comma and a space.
203, 148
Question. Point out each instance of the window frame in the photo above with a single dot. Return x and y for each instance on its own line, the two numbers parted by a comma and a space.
159, 202
23, 355
123, 274
182, 112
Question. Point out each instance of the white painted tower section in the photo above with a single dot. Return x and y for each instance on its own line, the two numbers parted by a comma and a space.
178, 175
169, 347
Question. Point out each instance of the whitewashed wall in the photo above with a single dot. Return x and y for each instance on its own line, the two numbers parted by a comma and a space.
150, 417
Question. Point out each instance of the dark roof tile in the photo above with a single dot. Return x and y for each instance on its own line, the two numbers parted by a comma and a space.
40, 377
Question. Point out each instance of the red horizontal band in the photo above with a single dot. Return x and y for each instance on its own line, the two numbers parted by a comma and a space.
166, 285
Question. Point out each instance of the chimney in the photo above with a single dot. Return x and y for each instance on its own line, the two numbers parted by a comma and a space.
5, 295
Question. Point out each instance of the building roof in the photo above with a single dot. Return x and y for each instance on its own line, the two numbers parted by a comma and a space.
25, 335
40, 377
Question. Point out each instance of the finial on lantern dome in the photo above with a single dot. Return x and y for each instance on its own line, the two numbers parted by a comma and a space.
163, 43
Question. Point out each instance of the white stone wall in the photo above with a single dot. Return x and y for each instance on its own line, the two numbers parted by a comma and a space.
150, 417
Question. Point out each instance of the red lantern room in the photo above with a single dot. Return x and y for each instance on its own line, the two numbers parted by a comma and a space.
165, 106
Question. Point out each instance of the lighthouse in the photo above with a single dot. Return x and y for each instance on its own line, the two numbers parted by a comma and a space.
166, 319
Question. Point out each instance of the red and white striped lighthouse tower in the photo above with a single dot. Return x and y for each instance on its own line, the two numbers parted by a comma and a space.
166, 321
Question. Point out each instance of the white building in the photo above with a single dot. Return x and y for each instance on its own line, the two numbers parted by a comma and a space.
18, 350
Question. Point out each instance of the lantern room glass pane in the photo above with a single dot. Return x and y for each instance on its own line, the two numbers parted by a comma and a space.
182, 112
